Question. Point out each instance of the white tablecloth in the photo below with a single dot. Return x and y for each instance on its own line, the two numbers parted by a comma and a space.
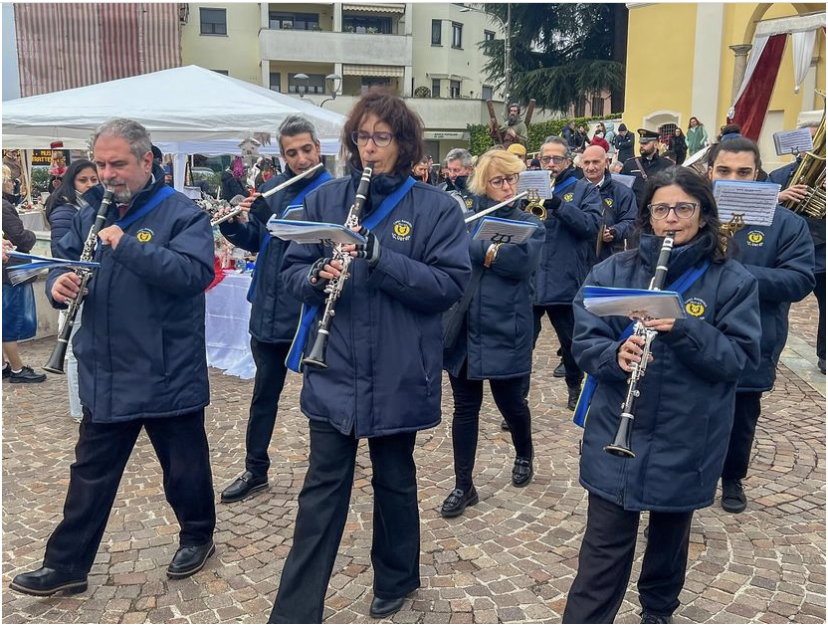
33, 220
227, 323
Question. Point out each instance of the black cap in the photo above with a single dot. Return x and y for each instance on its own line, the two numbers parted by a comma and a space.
643, 133
156, 153
622, 126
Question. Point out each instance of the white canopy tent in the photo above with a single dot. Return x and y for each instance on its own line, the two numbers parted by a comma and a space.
187, 110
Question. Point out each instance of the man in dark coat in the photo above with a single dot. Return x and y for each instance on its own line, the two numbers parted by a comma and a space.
648, 164
781, 257
624, 143
618, 206
275, 312
141, 356
573, 219
460, 166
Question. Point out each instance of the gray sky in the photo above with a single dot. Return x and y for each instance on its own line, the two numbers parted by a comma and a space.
11, 81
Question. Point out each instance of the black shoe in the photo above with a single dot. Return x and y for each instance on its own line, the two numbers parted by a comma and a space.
26, 375
6, 370
245, 485
573, 393
522, 472
46, 581
560, 371
733, 496
649, 618
504, 425
457, 502
190, 559
385, 608
820, 365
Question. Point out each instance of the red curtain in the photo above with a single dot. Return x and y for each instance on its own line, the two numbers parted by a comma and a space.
753, 105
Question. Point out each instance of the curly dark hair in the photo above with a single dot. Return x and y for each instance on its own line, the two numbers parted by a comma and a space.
405, 124
698, 187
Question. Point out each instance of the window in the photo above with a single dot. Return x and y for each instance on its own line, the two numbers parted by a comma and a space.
276, 81
454, 88
435, 87
488, 35
213, 21
374, 81
314, 84
666, 131
436, 32
487, 92
371, 25
456, 35
597, 105
280, 20
580, 107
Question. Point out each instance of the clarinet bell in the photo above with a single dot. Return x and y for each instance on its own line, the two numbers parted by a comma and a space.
55, 364
621, 445
316, 356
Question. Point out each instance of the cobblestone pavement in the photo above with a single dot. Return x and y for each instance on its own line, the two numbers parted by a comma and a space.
511, 558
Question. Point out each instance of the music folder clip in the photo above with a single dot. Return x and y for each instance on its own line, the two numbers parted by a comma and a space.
633, 303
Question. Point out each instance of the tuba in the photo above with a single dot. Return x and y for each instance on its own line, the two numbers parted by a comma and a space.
811, 172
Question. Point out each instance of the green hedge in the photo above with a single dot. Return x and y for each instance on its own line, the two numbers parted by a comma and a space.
480, 140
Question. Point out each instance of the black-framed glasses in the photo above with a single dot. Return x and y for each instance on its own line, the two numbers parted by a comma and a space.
557, 160
683, 210
380, 139
498, 181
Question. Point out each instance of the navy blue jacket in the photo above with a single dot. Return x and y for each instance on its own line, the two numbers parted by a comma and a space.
620, 212
685, 410
275, 312
781, 257
625, 144
569, 249
385, 348
60, 223
499, 323
141, 350
782, 176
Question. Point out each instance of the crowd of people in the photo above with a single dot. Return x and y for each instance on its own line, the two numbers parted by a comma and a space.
471, 307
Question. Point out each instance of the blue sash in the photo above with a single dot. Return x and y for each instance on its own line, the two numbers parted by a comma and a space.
294, 358
567, 183
127, 220
263, 245
591, 383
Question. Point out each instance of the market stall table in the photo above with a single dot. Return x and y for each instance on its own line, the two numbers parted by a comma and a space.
227, 322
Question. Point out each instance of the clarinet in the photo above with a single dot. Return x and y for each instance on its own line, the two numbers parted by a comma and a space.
316, 356
55, 364
621, 445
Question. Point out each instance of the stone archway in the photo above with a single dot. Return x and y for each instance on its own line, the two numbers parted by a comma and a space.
657, 119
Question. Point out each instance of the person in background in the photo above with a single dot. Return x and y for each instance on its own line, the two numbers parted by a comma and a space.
647, 165
231, 181
19, 312
598, 140
61, 208
460, 166
678, 144
696, 136
624, 143
493, 340
610, 138
421, 171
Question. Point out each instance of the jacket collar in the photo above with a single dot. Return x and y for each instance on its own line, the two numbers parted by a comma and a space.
682, 258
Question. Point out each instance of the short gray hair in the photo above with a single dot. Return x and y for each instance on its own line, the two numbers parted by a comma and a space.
554, 139
459, 154
133, 132
296, 125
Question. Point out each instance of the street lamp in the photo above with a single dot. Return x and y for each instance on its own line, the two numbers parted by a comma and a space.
336, 81
302, 85
507, 48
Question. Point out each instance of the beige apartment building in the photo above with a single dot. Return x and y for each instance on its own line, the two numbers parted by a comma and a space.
426, 52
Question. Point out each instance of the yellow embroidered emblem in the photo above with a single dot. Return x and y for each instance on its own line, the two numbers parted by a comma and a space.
402, 230
756, 238
608, 202
568, 197
144, 235
695, 307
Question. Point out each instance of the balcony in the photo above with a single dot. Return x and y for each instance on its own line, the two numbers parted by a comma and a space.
328, 47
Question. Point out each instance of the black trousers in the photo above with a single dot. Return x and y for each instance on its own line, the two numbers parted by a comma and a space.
270, 379
102, 453
819, 292
745, 416
606, 558
468, 398
563, 320
323, 509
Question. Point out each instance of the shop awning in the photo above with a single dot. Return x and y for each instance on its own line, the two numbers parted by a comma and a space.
372, 70
375, 8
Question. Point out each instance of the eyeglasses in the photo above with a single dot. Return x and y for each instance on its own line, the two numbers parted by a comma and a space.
498, 181
683, 210
557, 160
380, 139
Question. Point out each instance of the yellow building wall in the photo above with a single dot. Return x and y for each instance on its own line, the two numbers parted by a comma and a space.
237, 53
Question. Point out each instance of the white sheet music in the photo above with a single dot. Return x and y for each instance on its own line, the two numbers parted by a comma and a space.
498, 230
755, 202
535, 182
312, 232
633, 303
793, 141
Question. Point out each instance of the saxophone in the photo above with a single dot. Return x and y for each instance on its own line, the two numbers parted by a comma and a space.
335, 286
622, 443
55, 364
811, 172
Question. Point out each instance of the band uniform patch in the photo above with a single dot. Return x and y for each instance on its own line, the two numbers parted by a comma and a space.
402, 230
469, 203
696, 307
144, 235
568, 197
756, 238
608, 202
